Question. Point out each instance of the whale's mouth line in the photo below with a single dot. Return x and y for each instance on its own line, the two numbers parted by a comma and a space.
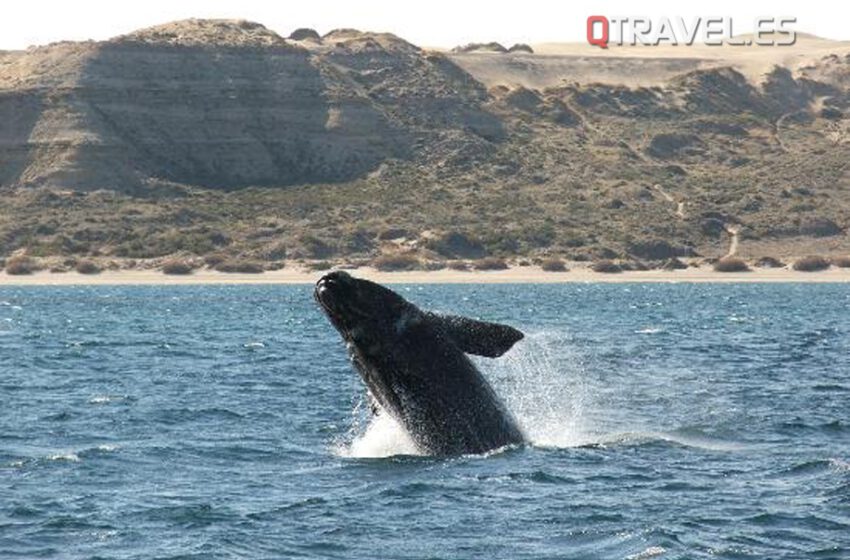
325, 301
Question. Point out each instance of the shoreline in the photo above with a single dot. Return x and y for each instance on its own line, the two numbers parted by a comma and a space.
513, 275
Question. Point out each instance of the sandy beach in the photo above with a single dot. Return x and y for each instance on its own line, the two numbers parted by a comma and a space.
515, 275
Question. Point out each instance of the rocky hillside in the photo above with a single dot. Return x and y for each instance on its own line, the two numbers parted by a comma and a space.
221, 136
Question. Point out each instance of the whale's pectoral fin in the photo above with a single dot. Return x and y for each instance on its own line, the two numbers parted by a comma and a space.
478, 337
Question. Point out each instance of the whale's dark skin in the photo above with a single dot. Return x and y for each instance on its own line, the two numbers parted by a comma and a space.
415, 366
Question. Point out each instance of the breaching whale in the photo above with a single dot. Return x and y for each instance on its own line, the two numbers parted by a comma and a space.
415, 366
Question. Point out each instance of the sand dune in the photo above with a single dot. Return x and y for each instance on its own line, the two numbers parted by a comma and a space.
557, 63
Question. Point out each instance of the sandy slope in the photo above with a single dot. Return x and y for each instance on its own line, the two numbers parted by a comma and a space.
639, 65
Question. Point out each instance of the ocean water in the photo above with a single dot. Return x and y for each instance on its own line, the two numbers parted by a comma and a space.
667, 421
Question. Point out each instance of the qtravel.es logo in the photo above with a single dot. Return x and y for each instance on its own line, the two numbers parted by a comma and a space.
603, 31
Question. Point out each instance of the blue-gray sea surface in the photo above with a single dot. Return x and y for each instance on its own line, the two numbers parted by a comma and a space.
668, 421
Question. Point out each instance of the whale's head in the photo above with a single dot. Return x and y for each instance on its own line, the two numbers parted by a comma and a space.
365, 313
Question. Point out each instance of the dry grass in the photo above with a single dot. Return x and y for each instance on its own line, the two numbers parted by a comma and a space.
812, 263
490, 263
553, 264
20, 265
396, 262
731, 264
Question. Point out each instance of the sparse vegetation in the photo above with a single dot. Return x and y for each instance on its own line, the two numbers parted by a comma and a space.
21, 265
812, 263
731, 264
553, 264
177, 267
606, 266
396, 262
502, 174
490, 263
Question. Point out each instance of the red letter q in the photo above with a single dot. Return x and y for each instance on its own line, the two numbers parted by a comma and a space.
603, 40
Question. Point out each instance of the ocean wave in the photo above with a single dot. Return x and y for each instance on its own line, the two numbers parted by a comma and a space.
106, 399
638, 438
649, 330
70, 457
650, 552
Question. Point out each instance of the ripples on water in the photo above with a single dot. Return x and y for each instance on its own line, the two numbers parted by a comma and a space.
668, 421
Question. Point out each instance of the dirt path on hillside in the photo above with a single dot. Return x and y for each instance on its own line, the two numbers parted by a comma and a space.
733, 232
680, 204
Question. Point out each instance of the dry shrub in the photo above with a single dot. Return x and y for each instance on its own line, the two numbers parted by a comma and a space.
177, 267
606, 266
396, 262
769, 262
87, 267
553, 264
674, 264
214, 259
319, 265
20, 265
434, 265
458, 265
812, 263
239, 266
841, 262
490, 263
731, 264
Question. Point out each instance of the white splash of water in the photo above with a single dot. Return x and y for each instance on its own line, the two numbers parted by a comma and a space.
383, 437
540, 382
